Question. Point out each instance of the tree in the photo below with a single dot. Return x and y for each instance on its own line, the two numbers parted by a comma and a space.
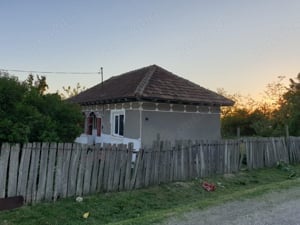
291, 107
70, 92
28, 114
257, 118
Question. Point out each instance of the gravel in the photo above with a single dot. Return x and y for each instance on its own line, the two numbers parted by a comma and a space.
275, 208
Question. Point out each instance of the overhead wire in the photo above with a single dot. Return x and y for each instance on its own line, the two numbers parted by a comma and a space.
45, 72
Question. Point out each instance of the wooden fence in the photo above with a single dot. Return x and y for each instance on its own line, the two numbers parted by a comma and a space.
52, 171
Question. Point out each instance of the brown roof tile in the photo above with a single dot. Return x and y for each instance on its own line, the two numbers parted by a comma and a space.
151, 83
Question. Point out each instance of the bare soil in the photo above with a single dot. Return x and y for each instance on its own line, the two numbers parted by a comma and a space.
276, 208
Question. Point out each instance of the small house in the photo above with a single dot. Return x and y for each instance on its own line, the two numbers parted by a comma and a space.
138, 105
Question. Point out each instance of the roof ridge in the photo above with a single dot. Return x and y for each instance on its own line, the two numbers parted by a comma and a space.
144, 82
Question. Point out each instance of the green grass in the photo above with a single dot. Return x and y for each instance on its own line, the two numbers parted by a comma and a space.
152, 205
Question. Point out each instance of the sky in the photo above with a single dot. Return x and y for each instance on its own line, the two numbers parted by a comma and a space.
237, 45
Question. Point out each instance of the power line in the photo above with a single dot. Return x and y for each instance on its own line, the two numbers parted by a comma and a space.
48, 72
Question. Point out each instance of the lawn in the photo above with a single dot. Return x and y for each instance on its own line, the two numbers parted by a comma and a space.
152, 205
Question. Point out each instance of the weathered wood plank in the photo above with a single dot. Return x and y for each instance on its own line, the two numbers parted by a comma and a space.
128, 167
58, 186
116, 177
111, 170
13, 171
96, 164
108, 152
33, 173
81, 170
51, 171
147, 155
65, 169
5, 151
24, 170
88, 171
123, 158
74, 166
202, 161
42, 172
135, 169
100, 179
140, 178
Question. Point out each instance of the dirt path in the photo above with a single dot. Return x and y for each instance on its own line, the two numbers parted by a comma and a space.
276, 208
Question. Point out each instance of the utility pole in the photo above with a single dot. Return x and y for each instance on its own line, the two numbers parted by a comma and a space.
101, 72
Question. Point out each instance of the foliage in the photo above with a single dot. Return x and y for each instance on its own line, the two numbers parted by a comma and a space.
280, 107
291, 107
29, 114
70, 92
152, 205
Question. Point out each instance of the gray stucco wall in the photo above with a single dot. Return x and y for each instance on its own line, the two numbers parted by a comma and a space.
178, 125
106, 123
132, 124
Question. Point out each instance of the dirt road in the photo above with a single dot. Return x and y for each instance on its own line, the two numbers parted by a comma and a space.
276, 208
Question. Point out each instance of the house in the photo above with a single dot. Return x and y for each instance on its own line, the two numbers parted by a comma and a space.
138, 105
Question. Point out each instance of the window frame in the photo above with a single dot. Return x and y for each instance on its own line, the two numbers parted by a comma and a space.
115, 127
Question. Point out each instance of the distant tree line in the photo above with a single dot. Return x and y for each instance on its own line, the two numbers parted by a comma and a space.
280, 110
29, 114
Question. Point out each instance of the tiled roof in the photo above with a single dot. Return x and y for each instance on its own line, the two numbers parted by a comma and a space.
151, 83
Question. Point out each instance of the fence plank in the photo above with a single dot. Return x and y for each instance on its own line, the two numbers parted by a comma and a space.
51, 171
88, 171
13, 171
95, 168
136, 168
74, 165
148, 155
33, 173
24, 170
123, 157
81, 170
59, 172
42, 172
5, 150
65, 168
116, 177
128, 167
96, 164
100, 179
111, 168
108, 152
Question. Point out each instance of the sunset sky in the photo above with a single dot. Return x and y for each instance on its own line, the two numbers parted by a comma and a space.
240, 46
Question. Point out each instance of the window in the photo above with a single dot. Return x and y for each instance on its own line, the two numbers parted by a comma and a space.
118, 120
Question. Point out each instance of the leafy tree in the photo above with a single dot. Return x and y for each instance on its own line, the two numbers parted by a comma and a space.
70, 92
291, 108
28, 114
259, 118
